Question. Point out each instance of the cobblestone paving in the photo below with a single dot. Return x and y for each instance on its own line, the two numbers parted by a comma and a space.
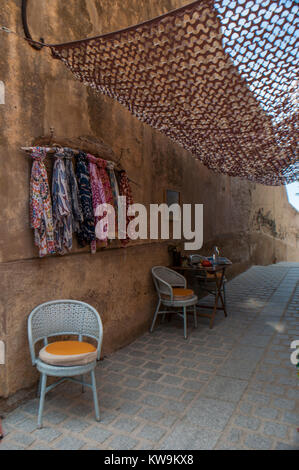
232, 387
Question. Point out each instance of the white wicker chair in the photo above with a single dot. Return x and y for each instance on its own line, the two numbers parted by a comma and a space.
64, 317
165, 279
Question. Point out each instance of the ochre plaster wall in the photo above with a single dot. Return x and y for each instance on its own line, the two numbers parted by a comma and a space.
251, 224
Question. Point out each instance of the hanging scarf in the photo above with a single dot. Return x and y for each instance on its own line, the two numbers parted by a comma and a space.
125, 190
40, 205
86, 233
73, 191
113, 183
115, 191
62, 212
101, 193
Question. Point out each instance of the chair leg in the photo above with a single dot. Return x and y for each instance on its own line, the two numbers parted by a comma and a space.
42, 400
195, 316
39, 387
185, 323
95, 395
82, 379
155, 316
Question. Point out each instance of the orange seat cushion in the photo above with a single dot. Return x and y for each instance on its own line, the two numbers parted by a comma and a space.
180, 294
68, 353
69, 348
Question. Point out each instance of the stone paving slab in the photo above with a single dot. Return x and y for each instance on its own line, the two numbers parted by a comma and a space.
232, 387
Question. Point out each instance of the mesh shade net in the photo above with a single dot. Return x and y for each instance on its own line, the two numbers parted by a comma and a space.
216, 77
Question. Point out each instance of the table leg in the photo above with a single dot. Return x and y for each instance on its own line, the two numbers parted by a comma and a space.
219, 283
219, 287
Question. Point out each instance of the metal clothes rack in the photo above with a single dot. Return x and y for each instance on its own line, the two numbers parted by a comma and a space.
51, 151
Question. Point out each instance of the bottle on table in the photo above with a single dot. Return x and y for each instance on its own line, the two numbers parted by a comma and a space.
216, 255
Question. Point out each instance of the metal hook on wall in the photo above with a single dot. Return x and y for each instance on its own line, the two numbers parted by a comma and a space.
26, 28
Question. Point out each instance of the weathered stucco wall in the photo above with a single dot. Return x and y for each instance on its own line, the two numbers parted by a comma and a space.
252, 224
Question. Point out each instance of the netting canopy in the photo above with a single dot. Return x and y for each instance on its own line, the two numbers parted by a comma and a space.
216, 77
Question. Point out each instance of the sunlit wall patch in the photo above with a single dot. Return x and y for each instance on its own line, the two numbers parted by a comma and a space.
293, 194
2, 92
2, 353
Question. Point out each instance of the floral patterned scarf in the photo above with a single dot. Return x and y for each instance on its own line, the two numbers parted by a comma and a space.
62, 210
40, 205
101, 194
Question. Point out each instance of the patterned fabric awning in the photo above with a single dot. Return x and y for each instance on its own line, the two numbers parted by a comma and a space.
216, 77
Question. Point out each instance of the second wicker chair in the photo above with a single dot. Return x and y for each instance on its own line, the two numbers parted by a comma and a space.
173, 293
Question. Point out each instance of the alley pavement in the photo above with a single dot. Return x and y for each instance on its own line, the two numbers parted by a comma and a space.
232, 387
